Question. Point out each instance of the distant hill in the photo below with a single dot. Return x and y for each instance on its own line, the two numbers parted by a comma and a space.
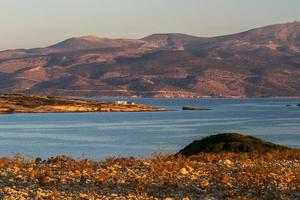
92, 42
262, 62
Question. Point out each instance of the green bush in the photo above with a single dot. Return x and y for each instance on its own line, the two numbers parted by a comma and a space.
230, 142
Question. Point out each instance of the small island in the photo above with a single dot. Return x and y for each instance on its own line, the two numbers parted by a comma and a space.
19, 103
194, 108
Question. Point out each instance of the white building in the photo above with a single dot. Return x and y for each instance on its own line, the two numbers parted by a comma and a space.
124, 103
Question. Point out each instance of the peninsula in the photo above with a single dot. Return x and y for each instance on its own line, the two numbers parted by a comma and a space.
19, 103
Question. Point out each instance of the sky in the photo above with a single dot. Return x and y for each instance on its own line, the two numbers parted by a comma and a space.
39, 23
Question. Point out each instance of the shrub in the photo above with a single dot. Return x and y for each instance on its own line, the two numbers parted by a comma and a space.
230, 142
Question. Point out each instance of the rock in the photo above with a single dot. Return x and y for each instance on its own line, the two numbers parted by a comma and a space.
83, 196
194, 108
298, 104
169, 198
230, 142
227, 163
183, 171
204, 183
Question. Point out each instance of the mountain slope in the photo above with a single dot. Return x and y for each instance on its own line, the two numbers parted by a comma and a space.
92, 42
172, 41
262, 62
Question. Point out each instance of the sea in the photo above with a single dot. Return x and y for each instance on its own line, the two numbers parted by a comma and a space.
99, 136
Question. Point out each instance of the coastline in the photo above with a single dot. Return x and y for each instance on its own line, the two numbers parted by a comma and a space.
19, 103
203, 97
205, 176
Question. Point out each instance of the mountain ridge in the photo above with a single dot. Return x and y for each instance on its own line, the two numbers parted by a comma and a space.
261, 62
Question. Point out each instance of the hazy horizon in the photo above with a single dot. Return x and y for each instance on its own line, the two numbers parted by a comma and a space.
36, 23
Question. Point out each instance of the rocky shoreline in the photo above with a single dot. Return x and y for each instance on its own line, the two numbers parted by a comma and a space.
261, 170
18, 103
216, 176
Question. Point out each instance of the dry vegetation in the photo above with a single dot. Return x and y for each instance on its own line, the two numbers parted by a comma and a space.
273, 175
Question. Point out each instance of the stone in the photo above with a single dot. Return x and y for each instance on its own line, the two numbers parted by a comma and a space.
83, 195
183, 171
204, 183
227, 163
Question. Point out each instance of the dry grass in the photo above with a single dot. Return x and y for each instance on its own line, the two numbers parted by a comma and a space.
273, 175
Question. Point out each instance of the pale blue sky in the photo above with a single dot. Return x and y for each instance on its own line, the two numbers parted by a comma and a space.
35, 23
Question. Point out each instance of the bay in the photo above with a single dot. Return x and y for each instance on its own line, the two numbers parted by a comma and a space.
100, 135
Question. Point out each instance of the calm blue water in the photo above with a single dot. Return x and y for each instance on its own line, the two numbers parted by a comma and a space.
100, 135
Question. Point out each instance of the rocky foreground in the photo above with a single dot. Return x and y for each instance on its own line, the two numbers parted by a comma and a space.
18, 103
273, 175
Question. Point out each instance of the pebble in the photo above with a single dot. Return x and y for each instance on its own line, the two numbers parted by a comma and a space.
204, 183
183, 171
227, 163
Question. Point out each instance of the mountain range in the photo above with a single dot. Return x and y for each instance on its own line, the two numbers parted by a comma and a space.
262, 62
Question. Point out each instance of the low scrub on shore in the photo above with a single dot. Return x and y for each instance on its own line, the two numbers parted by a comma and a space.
274, 175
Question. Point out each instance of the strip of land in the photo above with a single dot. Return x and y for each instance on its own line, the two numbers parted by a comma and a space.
18, 103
